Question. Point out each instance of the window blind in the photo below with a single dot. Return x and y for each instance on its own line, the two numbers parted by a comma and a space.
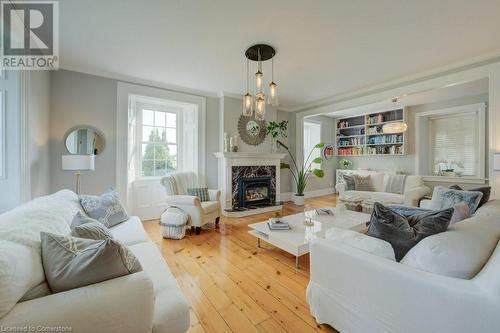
454, 143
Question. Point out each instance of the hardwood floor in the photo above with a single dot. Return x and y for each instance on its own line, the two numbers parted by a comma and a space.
233, 286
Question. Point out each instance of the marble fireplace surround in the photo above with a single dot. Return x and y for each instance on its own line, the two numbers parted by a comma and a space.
231, 166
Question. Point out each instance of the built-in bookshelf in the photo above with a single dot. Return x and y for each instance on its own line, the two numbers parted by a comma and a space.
362, 135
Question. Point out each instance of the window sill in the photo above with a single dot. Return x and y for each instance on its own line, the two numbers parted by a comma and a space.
462, 180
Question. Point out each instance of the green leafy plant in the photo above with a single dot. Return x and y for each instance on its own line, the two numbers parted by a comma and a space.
277, 130
346, 164
301, 175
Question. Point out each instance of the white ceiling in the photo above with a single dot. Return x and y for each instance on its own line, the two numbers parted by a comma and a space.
459, 91
325, 47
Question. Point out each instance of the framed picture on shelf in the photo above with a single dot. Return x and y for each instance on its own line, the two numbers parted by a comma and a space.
328, 151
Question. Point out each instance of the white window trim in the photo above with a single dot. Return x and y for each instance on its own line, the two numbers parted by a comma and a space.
306, 153
3, 136
420, 117
159, 106
124, 109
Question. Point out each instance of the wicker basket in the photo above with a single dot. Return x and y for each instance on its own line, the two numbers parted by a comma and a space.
173, 223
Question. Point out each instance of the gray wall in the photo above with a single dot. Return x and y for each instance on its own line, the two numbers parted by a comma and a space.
77, 99
81, 99
406, 163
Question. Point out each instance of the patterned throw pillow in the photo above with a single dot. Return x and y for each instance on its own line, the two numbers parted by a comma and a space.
349, 181
92, 230
443, 197
71, 262
362, 183
485, 190
402, 232
106, 208
200, 192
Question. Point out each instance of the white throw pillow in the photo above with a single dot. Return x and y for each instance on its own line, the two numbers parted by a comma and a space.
20, 270
460, 252
362, 242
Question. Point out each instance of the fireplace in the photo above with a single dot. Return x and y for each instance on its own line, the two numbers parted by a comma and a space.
254, 191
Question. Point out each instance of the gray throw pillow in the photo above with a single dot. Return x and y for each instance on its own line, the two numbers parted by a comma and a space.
362, 183
485, 190
105, 208
80, 219
200, 192
349, 181
443, 197
92, 230
402, 232
71, 262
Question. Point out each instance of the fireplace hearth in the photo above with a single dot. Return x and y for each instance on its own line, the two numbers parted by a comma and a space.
254, 192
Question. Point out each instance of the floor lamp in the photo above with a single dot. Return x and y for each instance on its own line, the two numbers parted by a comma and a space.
78, 163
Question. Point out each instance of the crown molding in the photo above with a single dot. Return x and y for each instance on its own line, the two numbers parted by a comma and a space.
486, 59
143, 82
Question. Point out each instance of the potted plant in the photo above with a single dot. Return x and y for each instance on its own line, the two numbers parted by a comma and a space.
277, 130
345, 163
302, 174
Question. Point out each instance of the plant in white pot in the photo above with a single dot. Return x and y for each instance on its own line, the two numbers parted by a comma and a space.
301, 175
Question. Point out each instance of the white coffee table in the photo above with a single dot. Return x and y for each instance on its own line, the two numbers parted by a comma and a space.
296, 240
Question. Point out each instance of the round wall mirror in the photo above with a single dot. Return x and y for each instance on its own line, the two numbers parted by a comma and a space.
84, 140
252, 131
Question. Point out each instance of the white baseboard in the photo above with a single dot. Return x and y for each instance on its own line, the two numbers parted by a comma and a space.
287, 196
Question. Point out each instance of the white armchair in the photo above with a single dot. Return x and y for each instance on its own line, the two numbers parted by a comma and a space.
200, 213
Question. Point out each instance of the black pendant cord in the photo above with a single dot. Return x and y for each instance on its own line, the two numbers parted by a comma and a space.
248, 61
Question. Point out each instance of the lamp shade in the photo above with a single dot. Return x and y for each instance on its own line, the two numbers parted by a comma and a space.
78, 162
496, 162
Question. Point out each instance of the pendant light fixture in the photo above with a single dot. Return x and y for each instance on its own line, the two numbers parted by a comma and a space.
273, 88
247, 100
260, 53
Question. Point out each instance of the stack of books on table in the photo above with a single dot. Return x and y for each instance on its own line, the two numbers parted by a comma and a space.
278, 225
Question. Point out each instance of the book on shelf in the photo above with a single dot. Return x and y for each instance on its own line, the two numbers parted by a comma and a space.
278, 225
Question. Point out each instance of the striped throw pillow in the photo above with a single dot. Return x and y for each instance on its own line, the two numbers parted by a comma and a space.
200, 192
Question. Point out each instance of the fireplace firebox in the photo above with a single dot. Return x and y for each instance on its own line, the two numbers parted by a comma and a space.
254, 191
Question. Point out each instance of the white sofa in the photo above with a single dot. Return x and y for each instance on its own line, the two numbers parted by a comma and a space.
414, 190
447, 283
148, 301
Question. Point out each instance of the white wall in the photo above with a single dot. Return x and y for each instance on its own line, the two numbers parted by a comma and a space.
39, 124
10, 184
78, 99
327, 136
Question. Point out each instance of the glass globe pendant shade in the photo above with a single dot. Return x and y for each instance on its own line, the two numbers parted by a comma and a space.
272, 98
247, 105
393, 128
259, 80
260, 107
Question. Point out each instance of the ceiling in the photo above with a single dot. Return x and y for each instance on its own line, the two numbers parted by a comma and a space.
324, 47
454, 92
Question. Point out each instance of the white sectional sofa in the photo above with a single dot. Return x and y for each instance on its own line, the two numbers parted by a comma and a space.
414, 190
148, 301
447, 283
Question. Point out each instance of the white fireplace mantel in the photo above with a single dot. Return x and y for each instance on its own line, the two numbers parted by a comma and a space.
228, 160
239, 155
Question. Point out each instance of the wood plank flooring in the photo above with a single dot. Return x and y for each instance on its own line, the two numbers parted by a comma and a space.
234, 287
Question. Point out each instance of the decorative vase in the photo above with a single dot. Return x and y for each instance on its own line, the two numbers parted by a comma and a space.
298, 199
274, 145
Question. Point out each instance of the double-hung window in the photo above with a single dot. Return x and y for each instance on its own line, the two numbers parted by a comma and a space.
158, 131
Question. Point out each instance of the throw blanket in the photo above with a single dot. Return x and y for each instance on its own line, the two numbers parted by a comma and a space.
395, 183
52, 213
